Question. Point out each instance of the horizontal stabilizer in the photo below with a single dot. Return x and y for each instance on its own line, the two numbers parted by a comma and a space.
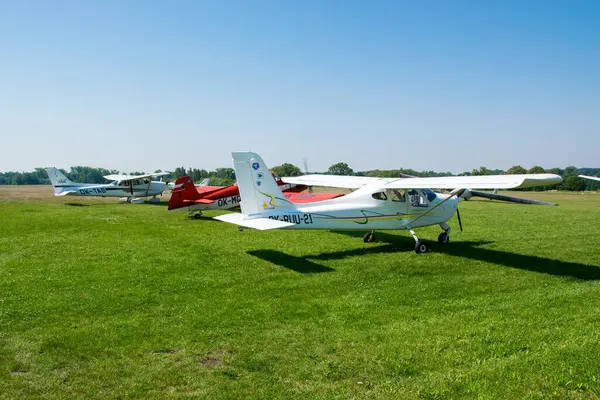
261, 224
199, 201
65, 193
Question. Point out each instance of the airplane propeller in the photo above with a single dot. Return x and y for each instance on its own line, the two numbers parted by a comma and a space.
305, 163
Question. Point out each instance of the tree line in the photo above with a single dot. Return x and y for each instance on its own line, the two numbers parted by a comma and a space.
226, 176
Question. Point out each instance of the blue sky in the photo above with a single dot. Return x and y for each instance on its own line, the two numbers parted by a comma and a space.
441, 85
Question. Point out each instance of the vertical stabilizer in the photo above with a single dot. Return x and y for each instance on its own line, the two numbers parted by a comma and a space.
60, 182
259, 191
184, 190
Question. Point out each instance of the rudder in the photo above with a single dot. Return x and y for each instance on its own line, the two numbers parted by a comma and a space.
258, 189
59, 181
184, 189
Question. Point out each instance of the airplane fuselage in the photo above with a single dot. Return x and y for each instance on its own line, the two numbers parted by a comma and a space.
366, 209
115, 190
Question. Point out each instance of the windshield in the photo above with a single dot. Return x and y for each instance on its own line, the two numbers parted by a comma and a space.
430, 194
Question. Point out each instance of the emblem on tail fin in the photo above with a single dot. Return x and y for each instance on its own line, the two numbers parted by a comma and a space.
255, 166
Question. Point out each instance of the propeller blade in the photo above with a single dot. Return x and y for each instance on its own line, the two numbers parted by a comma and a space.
459, 221
305, 163
512, 199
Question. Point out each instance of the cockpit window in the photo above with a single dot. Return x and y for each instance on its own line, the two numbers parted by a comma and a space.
418, 198
379, 196
398, 195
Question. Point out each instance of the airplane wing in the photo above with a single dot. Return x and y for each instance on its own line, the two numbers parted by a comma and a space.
338, 181
475, 182
442, 182
593, 178
132, 177
256, 223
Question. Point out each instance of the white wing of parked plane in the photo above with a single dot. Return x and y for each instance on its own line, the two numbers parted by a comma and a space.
132, 177
338, 181
476, 182
442, 182
593, 178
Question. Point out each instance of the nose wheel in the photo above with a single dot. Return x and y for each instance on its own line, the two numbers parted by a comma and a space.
369, 237
444, 238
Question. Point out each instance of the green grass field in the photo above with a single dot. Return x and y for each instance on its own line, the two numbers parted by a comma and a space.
107, 300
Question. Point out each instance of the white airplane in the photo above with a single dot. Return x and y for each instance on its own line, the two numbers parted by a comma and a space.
593, 178
377, 204
128, 187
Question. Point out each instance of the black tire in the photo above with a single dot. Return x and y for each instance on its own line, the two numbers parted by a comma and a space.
444, 238
420, 247
368, 237
198, 216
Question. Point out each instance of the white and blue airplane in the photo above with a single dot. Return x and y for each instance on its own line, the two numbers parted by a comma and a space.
376, 204
130, 188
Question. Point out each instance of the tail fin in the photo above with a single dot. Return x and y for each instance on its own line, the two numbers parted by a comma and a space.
205, 182
184, 189
60, 182
258, 189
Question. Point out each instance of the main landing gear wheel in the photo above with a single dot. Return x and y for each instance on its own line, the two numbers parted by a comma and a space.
369, 237
196, 215
420, 247
444, 238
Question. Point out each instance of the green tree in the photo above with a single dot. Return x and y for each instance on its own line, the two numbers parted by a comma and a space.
570, 171
340, 168
286, 170
225, 173
481, 171
179, 172
536, 170
573, 183
556, 171
516, 169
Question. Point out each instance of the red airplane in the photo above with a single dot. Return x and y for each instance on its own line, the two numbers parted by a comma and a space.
194, 199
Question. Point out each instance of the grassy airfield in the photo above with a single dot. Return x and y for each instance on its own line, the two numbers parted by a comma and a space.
107, 300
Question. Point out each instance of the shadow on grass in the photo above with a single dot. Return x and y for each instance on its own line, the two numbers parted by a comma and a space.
472, 251
522, 261
298, 264
77, 205
160, 203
